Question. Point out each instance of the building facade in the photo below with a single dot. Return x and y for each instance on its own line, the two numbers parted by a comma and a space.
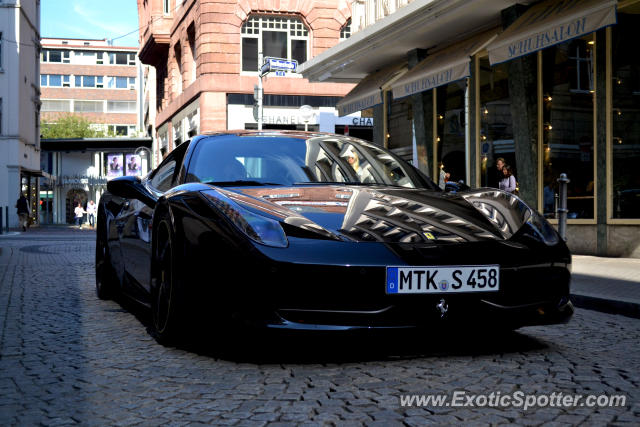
549, 86
100, 82
19, 106
206, 57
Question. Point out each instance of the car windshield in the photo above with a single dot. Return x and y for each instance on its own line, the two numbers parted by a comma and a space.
232, 160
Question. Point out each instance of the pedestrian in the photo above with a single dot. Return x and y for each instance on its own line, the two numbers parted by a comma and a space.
91, 213
508, 181
23, 211
79, 212
498, 175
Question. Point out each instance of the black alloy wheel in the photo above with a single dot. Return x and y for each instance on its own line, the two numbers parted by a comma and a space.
164, 293
106, 281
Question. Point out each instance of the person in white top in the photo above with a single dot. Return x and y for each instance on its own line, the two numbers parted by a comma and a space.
79, 212
92, 208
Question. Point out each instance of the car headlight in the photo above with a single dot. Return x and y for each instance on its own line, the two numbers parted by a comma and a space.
258, 228
542, 230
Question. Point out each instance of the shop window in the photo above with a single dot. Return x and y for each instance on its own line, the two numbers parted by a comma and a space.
625, 146
567, 82
450, 140
274, 36
496, 124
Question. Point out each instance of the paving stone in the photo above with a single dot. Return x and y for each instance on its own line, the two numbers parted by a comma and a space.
68, 358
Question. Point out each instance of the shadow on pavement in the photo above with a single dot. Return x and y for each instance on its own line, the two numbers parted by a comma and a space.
274, 347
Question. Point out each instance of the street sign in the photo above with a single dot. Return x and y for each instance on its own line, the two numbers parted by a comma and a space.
280, 73
281, 64
266, 67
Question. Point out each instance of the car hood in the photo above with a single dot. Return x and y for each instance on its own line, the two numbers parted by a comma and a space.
387, 214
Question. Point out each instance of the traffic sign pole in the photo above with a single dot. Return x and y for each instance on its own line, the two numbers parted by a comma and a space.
260, 91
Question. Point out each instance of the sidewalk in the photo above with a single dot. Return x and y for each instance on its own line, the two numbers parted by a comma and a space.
611, 285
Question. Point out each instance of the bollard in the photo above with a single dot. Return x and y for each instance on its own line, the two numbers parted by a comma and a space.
1, 222
6, 218
562, 210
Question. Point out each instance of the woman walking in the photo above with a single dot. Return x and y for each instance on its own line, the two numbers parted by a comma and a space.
508, 181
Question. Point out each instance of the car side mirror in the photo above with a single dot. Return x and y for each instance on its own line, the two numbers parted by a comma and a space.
131, 187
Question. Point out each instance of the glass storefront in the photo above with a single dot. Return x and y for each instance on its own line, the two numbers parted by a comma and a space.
567, 129
496, 126
625, 144
450, 142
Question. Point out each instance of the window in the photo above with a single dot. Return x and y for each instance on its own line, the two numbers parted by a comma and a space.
0, 50
56, 105
581, 65
567, 131
191, 35
121, 106
120, 58
275, 36
100, 58
66, 81
345, 32
625, 144
61, 56
178, 53
163, 178
89, 81
0, 116
496, 124
52, 80
165, 7
88, 106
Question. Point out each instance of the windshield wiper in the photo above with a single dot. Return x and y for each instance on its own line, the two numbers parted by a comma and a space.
240, 183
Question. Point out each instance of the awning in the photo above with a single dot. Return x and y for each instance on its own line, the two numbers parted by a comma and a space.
549, 23
443, 67
368, 93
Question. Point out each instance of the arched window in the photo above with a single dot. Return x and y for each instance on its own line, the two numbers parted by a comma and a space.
274, 36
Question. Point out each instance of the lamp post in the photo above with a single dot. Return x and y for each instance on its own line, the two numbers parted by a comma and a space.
145, 154
306, 112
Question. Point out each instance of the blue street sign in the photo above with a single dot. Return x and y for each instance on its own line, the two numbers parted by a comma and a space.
281, 64
280, 73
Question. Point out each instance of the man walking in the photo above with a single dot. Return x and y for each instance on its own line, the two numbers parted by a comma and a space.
23, 211
91, 213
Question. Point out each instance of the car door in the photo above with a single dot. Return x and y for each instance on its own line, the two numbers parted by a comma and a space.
135, 222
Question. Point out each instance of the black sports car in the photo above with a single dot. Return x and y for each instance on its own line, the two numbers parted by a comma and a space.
322, 232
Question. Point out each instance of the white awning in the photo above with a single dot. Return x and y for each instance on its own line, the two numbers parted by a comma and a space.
443, 67
368, 92
549, 23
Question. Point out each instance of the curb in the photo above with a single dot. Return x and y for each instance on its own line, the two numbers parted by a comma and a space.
623, 308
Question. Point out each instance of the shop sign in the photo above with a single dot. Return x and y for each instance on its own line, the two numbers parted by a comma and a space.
80, 180
362, 121
287, 119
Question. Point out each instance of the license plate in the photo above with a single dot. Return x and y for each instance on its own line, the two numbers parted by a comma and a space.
443, 280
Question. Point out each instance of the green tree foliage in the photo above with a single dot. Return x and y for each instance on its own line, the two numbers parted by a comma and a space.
69, 126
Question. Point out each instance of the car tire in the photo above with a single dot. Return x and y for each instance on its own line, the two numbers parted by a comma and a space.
166, 319
106, 281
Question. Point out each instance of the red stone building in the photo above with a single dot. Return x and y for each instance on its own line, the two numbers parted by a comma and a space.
205, 55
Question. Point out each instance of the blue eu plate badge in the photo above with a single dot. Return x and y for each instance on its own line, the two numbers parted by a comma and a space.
392, 280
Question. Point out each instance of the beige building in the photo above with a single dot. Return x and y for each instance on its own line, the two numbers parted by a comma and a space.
19, 106
100, 82
550, 86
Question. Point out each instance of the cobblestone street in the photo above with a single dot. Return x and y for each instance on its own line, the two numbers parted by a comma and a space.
68, 358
